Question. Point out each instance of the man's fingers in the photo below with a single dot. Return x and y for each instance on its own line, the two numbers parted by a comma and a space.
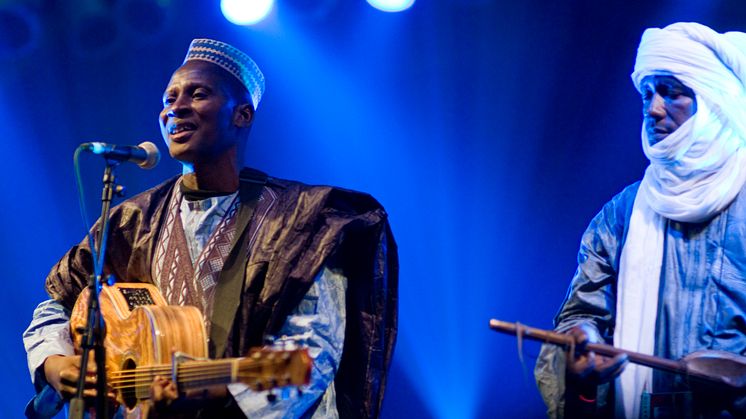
170, 391
67, 391
580, 336
76, 360
582, 365
609, 368
590, 362
69, 376
163, 390
157, 388
579, 362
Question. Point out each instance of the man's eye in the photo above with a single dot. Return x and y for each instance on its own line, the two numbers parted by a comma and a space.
167, 101
199, 95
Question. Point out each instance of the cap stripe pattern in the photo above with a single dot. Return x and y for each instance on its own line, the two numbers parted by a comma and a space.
233, 61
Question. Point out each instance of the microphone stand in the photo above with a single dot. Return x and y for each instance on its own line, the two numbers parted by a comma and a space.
93, 338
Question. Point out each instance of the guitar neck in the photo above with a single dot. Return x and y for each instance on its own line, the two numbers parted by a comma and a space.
261, 370
200, 374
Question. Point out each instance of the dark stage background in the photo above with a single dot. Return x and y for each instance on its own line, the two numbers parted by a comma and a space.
492, 131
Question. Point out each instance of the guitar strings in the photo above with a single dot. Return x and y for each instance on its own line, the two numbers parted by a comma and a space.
142, 376
255, 378
180, 373
196, 375
207, 366
144, 384
192, 380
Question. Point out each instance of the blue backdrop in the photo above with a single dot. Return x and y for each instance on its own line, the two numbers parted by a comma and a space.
492, 131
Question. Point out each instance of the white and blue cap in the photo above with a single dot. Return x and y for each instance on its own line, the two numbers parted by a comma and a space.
232, 60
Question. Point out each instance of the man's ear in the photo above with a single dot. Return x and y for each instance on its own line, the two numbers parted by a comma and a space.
243, 115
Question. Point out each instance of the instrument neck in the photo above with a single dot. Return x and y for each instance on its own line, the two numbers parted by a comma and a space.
199, 374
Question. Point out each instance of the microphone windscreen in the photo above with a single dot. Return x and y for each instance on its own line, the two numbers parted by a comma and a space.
154, 155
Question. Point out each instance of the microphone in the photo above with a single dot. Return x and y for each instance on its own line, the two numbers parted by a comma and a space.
145, 154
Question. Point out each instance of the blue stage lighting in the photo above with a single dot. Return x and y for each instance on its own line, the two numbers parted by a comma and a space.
20, 31
391, 5
245, 12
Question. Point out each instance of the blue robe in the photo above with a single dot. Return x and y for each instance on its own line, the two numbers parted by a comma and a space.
702, 297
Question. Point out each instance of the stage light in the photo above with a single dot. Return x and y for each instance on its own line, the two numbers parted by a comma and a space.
391, 5
245, 12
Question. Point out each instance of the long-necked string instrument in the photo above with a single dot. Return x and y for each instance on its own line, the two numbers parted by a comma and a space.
713, 367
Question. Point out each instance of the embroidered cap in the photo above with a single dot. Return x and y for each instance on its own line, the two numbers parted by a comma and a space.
233, 61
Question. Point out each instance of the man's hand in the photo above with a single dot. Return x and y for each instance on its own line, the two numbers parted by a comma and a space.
165, 398
162, 393
588, 368
62, 373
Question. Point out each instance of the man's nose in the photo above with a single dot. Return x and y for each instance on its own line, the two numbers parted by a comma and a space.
656, 108
178, 108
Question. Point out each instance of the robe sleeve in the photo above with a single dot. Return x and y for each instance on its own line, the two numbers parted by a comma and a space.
47, 335
318, 323
590, 299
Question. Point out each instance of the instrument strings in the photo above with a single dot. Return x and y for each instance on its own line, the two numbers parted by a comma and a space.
188, 372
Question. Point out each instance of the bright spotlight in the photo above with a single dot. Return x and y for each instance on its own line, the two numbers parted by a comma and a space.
391, 5
245, 12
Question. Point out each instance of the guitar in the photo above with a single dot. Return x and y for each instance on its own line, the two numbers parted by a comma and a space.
142, 332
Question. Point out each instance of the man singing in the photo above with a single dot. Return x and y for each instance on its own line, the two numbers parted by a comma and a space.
264, 259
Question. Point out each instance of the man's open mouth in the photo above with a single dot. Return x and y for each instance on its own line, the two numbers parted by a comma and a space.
181, 127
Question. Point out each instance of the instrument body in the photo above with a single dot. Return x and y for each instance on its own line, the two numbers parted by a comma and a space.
143, 333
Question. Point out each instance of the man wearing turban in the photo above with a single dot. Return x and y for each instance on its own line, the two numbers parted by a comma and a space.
662, 267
